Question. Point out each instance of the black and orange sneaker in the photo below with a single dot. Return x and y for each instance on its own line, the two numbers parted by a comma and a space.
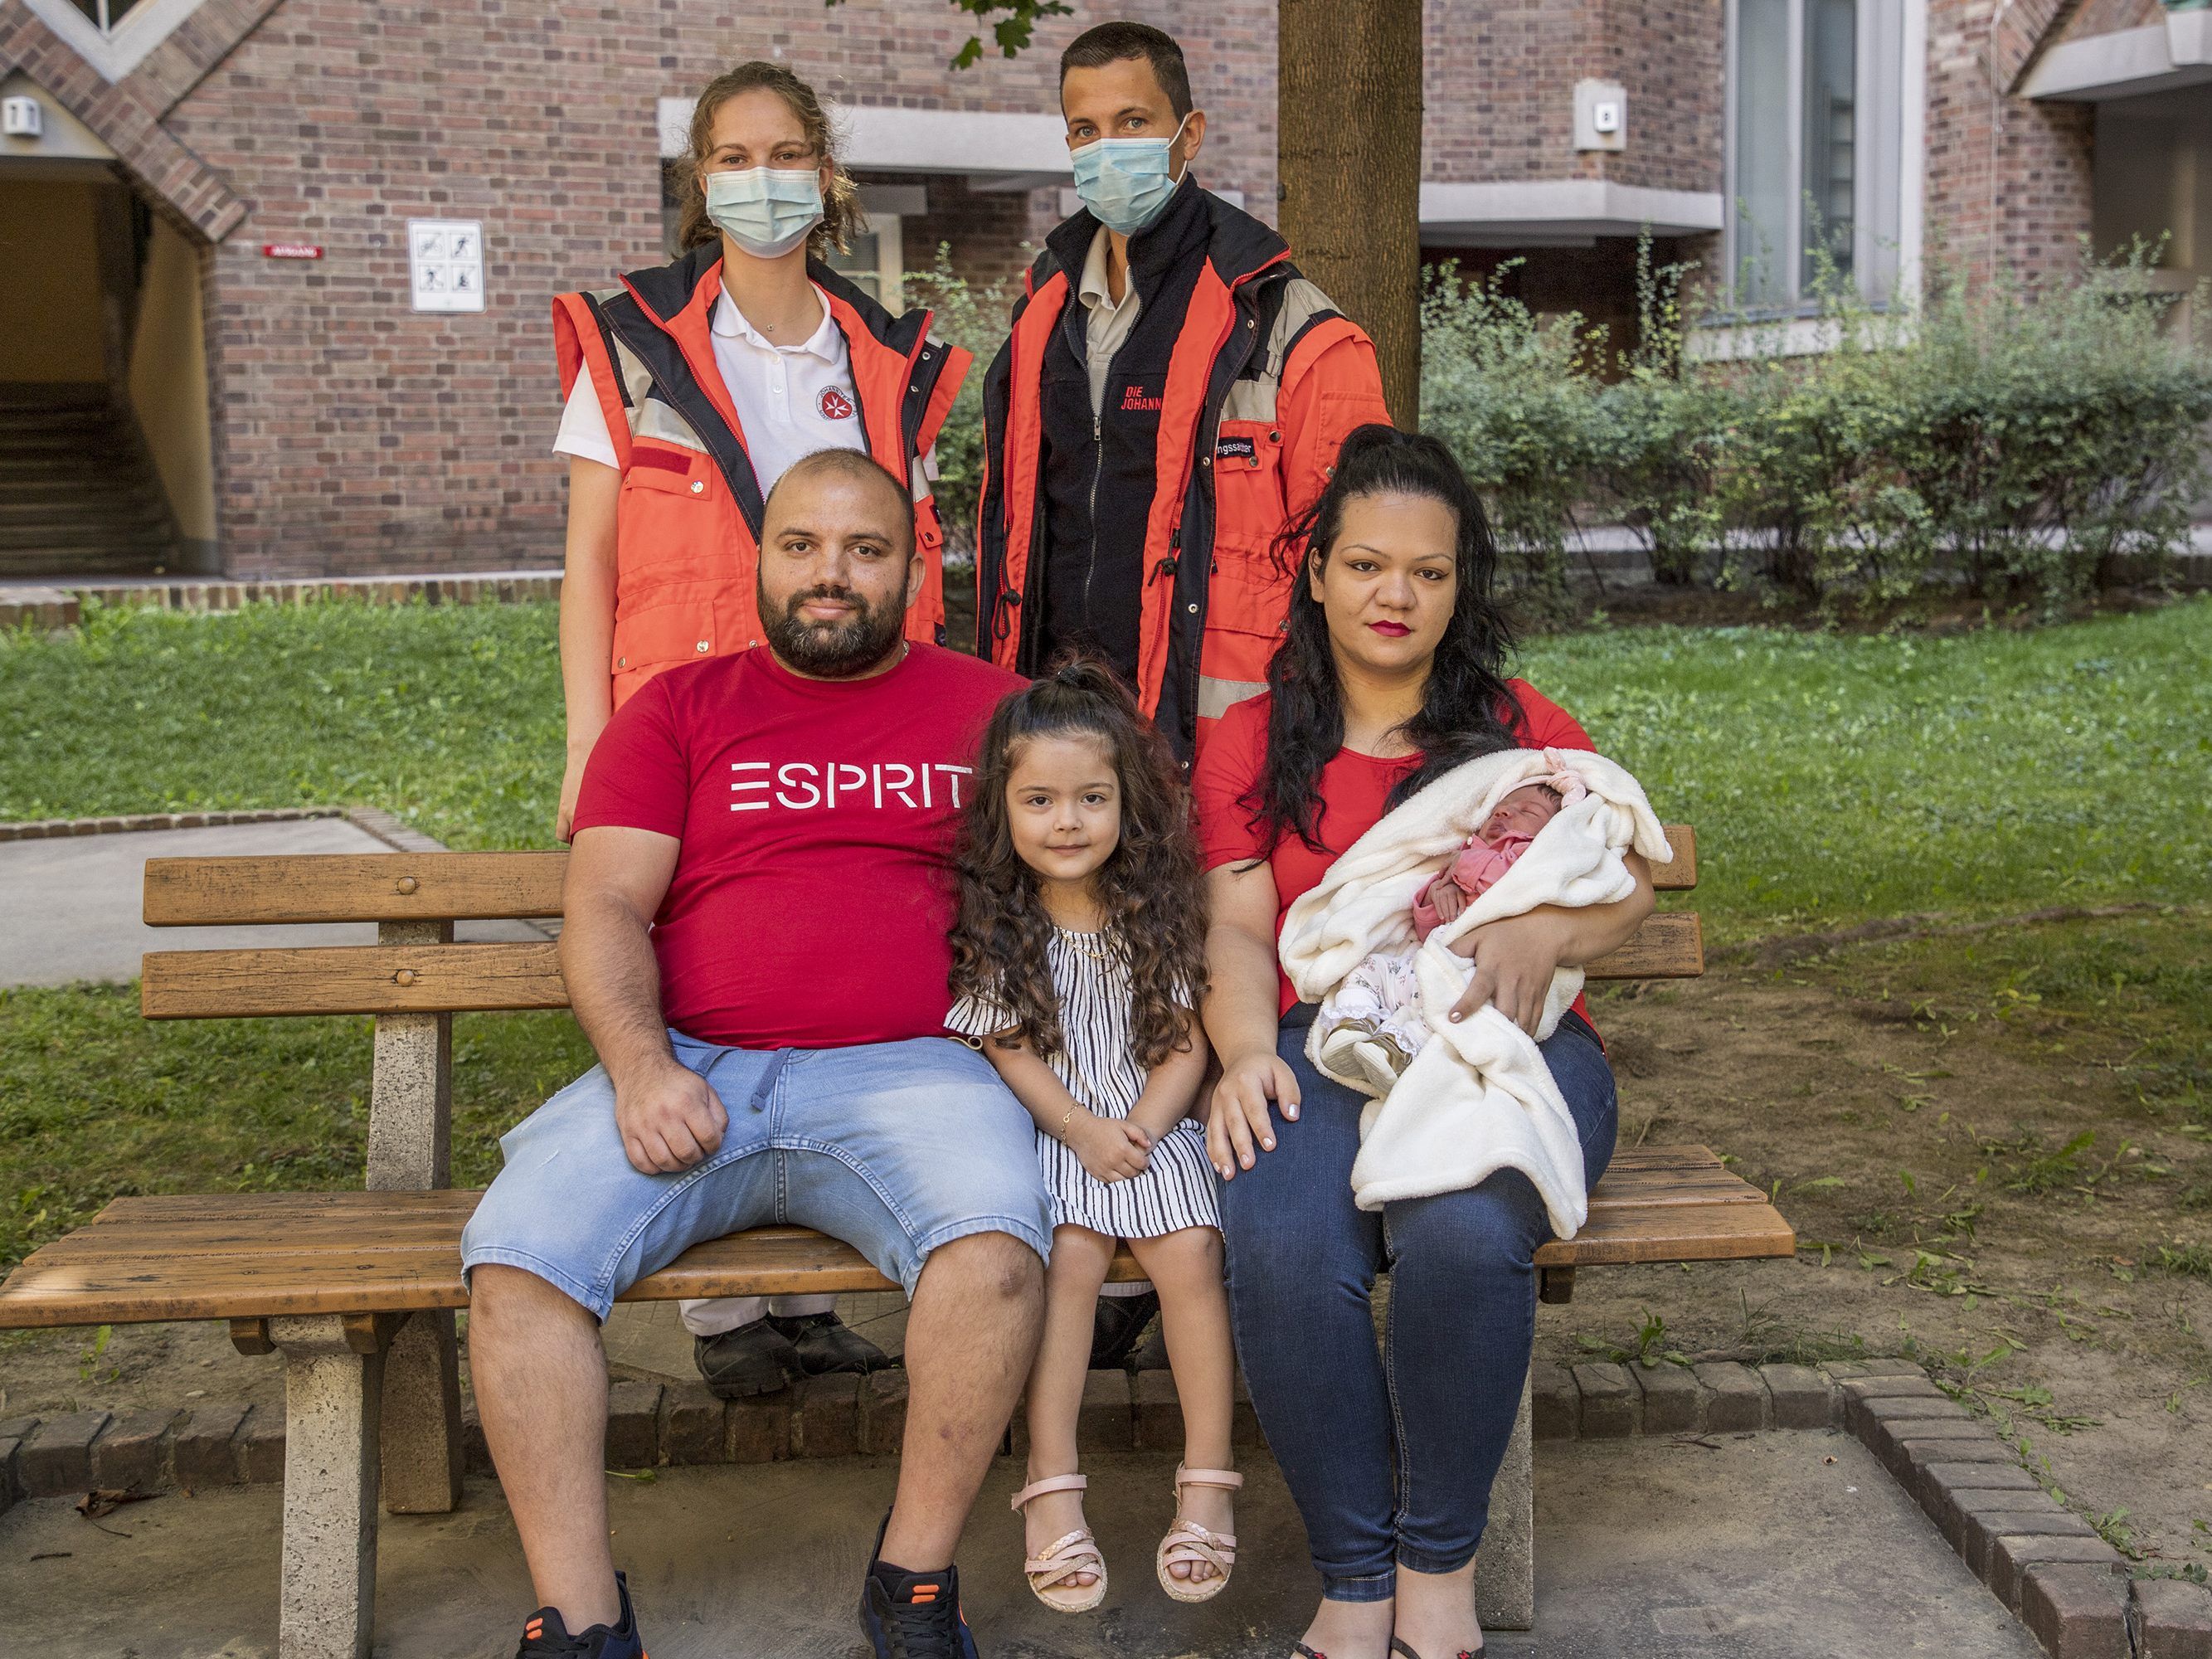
914, 1615
545, 1636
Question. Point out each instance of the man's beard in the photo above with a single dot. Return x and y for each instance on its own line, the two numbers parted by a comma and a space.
833, 651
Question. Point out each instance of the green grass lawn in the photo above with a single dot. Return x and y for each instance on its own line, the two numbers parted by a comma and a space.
96, 1103
1832, 777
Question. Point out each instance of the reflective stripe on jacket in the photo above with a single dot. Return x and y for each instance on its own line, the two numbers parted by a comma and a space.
688, 519
1264, 380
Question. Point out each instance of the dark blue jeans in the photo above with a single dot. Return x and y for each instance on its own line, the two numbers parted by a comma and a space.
1391, 1456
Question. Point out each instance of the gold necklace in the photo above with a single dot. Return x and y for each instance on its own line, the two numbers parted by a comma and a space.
1081, 942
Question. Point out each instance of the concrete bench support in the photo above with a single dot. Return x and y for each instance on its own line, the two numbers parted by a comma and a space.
411, 1132
1505, 1566
333, 1386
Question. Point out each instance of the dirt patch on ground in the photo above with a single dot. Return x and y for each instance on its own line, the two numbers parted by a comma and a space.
1996, 1146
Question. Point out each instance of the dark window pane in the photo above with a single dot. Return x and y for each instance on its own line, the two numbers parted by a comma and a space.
1763, 187
1830, 132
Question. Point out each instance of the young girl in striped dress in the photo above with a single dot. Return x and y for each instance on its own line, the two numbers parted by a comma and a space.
1078, 960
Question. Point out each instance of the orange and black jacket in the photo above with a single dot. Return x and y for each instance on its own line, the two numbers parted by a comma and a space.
688, 520
1148, 531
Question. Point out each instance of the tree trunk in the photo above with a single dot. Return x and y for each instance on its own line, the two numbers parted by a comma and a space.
1348, 90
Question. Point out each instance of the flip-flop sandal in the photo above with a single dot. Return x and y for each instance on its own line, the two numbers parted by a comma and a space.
1049, 1570
1188, 1542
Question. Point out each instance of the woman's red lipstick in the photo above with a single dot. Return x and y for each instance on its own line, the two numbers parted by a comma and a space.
1394, 630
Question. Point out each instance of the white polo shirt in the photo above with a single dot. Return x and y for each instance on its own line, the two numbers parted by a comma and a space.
1109, 325
792, 400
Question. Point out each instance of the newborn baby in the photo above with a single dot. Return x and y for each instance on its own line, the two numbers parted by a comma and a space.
1371, 1023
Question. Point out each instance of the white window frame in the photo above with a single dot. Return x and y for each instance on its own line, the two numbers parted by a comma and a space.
114, 53
1890, 56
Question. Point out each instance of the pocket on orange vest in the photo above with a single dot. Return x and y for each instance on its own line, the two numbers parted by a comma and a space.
1247, 592
673, 524
668, 469
685, 622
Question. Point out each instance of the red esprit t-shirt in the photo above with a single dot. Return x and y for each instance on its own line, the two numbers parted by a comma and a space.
1353, 788
813, 894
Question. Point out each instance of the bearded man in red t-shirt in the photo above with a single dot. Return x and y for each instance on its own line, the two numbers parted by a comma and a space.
756, 942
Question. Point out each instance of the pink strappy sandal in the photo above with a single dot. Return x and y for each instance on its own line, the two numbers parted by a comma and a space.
1049, 1570
1188, 1542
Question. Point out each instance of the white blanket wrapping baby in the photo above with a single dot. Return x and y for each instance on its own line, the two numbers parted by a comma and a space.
1478, 1098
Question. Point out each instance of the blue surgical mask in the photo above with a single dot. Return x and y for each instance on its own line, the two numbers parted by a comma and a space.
766, 211
1126, 182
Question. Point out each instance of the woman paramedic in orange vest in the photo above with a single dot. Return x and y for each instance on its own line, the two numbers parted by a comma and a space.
692, 385
690, 389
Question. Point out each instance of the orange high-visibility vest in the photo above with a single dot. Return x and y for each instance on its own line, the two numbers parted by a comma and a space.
688, 520
1263, 381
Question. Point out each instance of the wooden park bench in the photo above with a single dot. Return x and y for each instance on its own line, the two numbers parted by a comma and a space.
356, 1290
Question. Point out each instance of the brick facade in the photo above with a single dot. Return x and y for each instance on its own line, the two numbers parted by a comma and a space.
2007, 181
1499, 89
352, 435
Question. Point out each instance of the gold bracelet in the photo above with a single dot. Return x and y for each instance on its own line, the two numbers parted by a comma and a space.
1065, 1118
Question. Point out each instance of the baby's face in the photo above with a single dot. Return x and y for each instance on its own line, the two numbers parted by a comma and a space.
1523, 813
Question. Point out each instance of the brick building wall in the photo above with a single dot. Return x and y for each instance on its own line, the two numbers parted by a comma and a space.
2007, 181
351, 433
1499, 83
1669, 55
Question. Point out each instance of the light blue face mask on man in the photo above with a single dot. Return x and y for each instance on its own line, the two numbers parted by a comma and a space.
766, 211
1126, 183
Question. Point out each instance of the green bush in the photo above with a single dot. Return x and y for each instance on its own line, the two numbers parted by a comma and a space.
1805, 485
2030, 443
1662, 433
977, 319
2051, 438
1516, 399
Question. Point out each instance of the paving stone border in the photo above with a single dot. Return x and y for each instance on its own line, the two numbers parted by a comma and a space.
131, 822
61, 603
393, 831
2045, 1563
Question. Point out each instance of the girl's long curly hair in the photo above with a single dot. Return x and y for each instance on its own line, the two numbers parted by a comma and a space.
1149, 887
1464, 704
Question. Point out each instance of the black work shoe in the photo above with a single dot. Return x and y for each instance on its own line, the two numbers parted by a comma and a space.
753, 1360
914, 1615
1115, 1325
824, 1343
545, 1636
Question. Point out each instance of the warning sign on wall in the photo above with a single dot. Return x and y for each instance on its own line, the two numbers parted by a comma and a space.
445, 263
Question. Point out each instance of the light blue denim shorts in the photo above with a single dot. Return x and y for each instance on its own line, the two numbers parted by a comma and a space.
894, 1147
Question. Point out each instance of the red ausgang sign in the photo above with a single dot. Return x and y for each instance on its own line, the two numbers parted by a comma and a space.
290, 251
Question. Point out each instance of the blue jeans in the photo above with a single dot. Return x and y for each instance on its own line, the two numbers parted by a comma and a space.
894, 1147
1390, 1457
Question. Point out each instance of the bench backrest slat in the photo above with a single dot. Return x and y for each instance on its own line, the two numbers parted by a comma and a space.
365, 979
325, 887
437, 978
353, 887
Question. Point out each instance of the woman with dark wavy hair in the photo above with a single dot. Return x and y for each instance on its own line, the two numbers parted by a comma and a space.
1392, 673
1079, 961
